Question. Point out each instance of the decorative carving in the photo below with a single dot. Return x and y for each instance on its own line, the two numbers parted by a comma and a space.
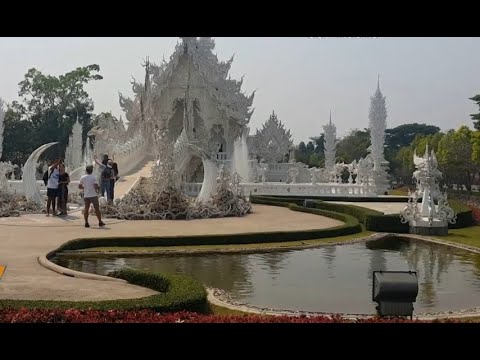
330, 144
73, 153
293, 172
273, 141
427, 177
377, 125
262, 169
30, 187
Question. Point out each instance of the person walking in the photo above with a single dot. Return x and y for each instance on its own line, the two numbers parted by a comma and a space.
89, 185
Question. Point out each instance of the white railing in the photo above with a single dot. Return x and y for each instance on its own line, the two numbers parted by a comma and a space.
16, 186
220, 156
283, 189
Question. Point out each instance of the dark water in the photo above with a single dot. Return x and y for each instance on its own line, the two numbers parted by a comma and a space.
331, 279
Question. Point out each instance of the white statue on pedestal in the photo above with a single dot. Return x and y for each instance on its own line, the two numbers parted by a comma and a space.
429, 215
262, 169
292, 174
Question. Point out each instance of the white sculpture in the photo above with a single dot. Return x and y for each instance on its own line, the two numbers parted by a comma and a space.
330, 144
30, 187
73, 153
429, 219
377, 125
273, 142
292, 174
262, 169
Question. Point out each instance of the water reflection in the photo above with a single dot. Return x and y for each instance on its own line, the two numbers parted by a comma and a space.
331, 278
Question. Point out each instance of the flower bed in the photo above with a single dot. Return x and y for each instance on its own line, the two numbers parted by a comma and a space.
148, 316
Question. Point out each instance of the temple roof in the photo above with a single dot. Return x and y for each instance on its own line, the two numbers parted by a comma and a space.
225, 91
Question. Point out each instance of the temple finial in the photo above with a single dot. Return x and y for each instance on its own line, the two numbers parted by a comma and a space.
378, 82
330, 117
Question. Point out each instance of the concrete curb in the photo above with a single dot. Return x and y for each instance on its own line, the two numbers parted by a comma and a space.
215, 297
42, 260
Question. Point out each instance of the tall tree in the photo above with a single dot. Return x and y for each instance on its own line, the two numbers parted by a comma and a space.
476, 117
353, 146
455, 156
51, 105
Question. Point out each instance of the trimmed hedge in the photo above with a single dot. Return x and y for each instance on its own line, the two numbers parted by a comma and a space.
351, 226
177, 293
372, 220
464, 215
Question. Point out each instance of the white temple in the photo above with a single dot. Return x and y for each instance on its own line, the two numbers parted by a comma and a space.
193, 104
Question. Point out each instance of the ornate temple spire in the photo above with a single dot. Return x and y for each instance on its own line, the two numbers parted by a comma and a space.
377, 124
330, 143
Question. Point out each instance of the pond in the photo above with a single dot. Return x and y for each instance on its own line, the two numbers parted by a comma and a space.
336, 278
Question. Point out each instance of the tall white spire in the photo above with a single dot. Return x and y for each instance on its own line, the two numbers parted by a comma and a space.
378, 124
330, 143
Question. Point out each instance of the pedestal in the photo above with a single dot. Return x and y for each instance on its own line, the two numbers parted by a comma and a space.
423, 227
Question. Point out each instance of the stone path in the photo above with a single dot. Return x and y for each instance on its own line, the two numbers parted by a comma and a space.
385, 207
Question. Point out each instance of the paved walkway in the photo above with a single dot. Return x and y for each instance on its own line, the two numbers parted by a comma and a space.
385, 207
24, 239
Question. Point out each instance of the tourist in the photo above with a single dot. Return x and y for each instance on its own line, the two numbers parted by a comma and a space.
114, 180
89, 185
52, 187
63, 182
105, 160
106, 176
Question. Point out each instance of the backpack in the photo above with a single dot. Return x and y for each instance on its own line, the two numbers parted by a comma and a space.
46, 177
107, 173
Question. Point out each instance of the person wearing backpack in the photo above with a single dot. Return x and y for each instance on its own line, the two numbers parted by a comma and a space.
52, 179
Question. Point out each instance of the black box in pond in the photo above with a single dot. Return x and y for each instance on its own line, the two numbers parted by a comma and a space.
395, 292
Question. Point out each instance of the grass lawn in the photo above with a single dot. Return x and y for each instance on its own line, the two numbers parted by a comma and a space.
233, 247
467, 236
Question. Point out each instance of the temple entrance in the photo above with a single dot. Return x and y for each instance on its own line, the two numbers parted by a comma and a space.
194, 172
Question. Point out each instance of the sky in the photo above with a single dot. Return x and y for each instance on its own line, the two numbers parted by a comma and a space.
425, 80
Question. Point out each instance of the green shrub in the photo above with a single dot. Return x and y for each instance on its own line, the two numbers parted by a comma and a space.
386, 223
372, 220
177, 292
